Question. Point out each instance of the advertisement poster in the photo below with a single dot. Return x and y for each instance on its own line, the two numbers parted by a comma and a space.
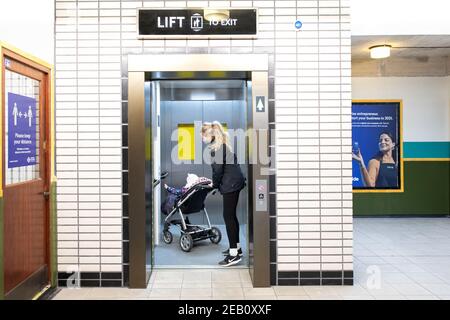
21, 131
376, 145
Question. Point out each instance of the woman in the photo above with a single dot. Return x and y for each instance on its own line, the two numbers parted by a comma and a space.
382, 170
228, 178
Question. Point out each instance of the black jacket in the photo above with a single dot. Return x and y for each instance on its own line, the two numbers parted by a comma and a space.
227, 175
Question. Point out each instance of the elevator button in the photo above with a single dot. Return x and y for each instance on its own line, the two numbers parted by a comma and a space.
261, 200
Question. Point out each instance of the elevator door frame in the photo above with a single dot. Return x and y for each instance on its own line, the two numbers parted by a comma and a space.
259, 233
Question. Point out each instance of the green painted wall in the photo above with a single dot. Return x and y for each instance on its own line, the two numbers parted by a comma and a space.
426, 193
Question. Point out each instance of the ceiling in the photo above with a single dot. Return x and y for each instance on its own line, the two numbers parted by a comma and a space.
403, 62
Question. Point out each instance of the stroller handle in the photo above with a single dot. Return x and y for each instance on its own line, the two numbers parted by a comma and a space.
164, 175
211, 190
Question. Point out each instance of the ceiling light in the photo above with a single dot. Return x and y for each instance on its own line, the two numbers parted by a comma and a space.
380, 52
216, 14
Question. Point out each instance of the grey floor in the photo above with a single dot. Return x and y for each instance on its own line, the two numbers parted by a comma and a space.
204, 253
409, 256
394, 258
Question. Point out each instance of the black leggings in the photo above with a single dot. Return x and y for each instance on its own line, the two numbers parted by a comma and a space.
230, 201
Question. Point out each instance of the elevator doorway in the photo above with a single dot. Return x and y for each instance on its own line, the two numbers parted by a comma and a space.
178, 151
158, 87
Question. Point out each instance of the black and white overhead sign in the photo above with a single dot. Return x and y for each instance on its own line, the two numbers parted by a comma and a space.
192, 23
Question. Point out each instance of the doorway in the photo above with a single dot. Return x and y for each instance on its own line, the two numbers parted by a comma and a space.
27, 262
169, 94
184, 105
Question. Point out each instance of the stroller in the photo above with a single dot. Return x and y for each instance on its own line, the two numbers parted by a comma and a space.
192, 201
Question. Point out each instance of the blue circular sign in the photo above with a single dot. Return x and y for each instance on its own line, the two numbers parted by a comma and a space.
298, 24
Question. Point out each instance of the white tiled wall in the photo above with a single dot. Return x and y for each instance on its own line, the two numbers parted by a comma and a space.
313, 103
312, 76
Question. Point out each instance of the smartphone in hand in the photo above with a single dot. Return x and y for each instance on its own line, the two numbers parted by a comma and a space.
355, 148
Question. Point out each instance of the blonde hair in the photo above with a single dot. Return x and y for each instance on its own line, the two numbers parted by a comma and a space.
215, 129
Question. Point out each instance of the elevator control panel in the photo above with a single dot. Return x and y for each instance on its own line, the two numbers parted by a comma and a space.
261, 195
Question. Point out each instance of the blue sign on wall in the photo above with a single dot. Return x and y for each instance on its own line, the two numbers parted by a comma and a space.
376, 145
21, 131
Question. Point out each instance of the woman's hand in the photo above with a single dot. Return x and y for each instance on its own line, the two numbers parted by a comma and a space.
165, 185
358, 157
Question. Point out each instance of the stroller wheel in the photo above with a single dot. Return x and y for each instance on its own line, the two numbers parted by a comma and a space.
167, 237
186, 242
216, 235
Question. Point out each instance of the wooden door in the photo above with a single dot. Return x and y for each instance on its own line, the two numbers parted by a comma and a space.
25, 177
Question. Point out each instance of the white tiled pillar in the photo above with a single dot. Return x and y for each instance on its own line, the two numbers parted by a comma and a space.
313, 108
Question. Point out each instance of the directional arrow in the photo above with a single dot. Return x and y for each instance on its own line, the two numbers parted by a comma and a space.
260, 101
260, 106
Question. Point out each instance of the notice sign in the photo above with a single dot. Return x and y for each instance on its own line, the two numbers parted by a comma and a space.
376, 145
196, 23
21, 131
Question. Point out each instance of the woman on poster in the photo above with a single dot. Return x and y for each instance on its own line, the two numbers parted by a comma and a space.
382, 170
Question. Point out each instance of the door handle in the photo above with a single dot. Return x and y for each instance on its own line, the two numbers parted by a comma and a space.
156, 182
46, 194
